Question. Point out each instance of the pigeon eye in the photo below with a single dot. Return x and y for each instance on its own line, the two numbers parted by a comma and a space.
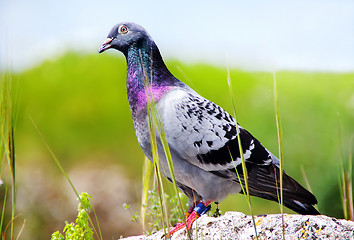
123, 29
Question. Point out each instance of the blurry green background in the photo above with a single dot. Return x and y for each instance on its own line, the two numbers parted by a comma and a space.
79, 104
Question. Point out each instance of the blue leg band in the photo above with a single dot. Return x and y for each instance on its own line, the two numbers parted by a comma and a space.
201, 209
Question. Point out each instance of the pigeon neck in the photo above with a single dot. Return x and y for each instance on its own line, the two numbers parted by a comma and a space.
144, 62
147, 75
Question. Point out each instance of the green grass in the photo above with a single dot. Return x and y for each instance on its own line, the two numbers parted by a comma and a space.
280, 152
153, 213
157, 135
346, 180
79, 103
7, 150
245, 188
147, 176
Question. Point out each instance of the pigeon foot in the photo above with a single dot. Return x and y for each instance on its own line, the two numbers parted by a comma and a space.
198, 211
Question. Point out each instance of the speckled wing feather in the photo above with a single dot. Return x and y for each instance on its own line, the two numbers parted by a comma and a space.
204, 134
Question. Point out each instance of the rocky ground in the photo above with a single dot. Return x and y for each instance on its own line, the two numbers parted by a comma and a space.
235, 225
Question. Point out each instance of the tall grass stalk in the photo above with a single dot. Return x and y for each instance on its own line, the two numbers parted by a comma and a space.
280, 149
3, 209
7, 226
54, 157
185, 76
147, 174
21, 230
97, 232
155, 124
154, 149
155, 157
350, 179
304, 175
168, 156
7, 118
244, 169
346, 183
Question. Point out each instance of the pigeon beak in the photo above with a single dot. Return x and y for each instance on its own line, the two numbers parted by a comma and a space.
106, 45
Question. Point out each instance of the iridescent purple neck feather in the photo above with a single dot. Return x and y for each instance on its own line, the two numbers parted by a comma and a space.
147, 75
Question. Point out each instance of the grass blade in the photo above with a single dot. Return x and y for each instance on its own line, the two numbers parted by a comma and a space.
154, 149
155, 156
147, 173
343, 182
304, 175
280, 149
3, 209
155, 124
244, 169
21, 230
97, 232
168, 156
346, 177
7, 136
55, 158
350, 179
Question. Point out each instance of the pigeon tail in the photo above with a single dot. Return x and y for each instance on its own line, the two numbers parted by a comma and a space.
264, 182
301, 208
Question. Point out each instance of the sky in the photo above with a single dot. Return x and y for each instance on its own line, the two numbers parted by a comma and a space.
306, 35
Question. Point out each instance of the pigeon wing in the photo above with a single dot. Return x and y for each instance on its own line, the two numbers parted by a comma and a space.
205, 135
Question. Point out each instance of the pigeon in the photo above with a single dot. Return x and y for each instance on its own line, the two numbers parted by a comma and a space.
202, 137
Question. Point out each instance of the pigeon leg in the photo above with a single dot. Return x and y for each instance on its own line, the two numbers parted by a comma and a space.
190, 209
198, 211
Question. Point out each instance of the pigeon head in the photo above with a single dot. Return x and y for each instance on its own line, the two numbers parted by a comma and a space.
143, 61
124, 36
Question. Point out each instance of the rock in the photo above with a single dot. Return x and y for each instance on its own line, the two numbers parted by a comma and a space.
235, 225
